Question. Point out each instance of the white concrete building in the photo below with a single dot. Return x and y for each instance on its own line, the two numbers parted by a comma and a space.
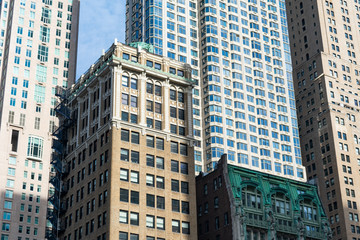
38, 45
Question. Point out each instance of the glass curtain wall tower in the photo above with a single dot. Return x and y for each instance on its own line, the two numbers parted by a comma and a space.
247, 102
38, 42
249, 105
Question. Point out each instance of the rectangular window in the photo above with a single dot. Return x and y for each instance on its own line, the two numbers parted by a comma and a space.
184, 168
124, 99
124, 154
134, 176
158, 125
46, 15
43, 53
11, 116
123, 218
160, 143
175, 205
185, 227
160, 162
150, 200
160, 223
134, 197
174, 185
160, 202
41, 72
174, 166
150, 180
174, 147
125, 135
158, 108
37, 123
123, 236
150, 221
35, 147
134, 218
135, 157
150, 141
173, 112
185, 207
44, 34
133, 101
185, 187
160, 182
175, 224
124, 174
124, 195
183, 149
149, 106
150, 160
39, 94
135, 137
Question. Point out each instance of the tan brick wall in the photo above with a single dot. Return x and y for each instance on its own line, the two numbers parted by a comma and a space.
142, 209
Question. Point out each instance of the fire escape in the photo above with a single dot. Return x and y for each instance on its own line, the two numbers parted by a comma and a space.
61, 168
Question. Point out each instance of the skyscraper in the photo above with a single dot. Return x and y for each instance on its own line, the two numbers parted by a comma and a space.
38, 53
245, 81
123, 179
325, 57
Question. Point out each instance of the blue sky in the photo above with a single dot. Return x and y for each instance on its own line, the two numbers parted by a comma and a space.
101, 21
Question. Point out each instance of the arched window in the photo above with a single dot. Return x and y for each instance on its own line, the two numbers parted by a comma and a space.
308, 210
150, 87
134, 83
125, 80
356, 139
251, 197
158, 89
181, 96
280, 204
173, 93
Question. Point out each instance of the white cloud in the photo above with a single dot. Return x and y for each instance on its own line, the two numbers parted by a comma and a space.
101, 21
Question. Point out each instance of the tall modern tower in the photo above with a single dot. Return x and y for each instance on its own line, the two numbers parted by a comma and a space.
325, 56
245, 79
38, 45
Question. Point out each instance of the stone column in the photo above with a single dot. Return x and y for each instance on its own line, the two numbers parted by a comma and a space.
116, 92
89, 92
189, 110
142, 97
166, 107
78, 122
101, 82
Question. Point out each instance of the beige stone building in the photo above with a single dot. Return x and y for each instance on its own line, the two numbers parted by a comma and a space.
38, 42
325, 53
125, 175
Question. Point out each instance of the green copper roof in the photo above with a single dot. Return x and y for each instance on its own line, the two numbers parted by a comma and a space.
142, 45
268, 184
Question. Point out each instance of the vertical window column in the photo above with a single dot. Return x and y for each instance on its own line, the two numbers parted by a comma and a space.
166, 106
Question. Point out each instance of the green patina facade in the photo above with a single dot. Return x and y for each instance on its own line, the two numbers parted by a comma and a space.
257, 206
281, 205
